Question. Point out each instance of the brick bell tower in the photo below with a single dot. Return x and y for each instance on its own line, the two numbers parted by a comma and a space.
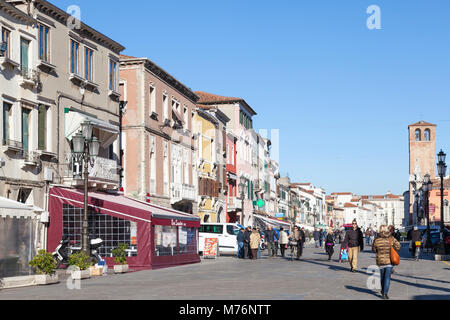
422, 156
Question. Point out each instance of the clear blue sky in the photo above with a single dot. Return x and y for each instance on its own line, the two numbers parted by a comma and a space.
342, 95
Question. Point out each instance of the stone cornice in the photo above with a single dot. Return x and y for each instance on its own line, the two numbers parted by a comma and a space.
47, 8
163, 75
16, 13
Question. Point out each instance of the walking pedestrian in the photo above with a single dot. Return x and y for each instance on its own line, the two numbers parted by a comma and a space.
372, 236
316, 236
302, 232
416, 243
321, 236
297, 237
260, 244
329, 243
354, 241
283, 241
382, 247
240, 241
276, 241
247, 251
255, 239
368, 236
270, 236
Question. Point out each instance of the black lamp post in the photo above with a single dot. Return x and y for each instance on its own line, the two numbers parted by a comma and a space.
427, 187
442, 169
85, 148
242, 186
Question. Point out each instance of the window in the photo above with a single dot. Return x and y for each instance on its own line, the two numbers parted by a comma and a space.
165, 107
110, 229
88, 60
112, 75
211, 228
152, 100
6, 38
427, 135
165, 241
44, 43
42, 127
152, 165
26, 129
24, 51
7, 107
417, 135
232, 230
186, 117
74, 56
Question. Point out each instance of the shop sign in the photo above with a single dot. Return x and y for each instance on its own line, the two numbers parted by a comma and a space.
177, 223
211, 248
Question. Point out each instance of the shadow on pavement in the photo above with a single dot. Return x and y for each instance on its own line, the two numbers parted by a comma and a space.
363, 290
432, 297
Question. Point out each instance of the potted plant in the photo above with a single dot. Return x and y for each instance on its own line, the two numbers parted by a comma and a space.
45, 266
120, 257
81, 261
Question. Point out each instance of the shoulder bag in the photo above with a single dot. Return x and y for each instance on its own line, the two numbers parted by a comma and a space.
395, 258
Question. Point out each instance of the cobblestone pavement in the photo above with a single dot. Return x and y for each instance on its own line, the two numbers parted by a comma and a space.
228, 278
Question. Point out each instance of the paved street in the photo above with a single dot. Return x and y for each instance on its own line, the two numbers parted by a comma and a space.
227, 278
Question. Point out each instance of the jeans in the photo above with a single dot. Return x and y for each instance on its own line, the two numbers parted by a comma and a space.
416, 252
385, 278
240, 250
367, 240
317, 243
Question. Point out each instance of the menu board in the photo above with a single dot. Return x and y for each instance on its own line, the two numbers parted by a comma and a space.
211, 248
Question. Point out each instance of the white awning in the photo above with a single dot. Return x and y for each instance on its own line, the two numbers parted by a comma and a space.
12, 208
73, 121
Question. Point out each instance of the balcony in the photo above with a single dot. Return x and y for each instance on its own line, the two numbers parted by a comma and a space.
103, 174
31, 159
182, 192
12, 146
30, 78
234, 203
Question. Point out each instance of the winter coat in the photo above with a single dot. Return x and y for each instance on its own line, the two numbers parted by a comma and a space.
283, 237
354, 238
316, 235
329, 239
296, 235
416, 235
247, 236
382, 248
270, 235
240, 236
255, 239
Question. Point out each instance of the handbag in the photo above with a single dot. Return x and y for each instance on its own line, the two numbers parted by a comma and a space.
395, 258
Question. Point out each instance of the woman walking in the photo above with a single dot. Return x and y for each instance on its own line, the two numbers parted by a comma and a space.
382, 247
329, 243
255, 239
283, 241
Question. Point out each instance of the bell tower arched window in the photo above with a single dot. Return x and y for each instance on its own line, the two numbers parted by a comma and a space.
417, 135
427, 135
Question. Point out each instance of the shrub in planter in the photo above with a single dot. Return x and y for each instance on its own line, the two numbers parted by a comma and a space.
45, 266
120, 257
83, 262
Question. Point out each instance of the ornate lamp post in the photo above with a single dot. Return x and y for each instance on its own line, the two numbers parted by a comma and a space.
84, 149
442, 169
242, 186
427, 187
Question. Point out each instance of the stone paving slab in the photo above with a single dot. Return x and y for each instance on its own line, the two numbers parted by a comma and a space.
228, 278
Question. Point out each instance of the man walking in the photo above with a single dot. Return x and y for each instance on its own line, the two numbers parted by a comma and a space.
316, 235
296, 237
416, 243
354, 241
283, 241
247, 251
240, 241
269, 236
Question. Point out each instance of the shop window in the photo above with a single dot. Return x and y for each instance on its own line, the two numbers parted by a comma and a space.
111, 230
187, 238
165, 241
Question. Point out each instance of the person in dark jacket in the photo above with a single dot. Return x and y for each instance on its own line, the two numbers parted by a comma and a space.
247, 251
355, 241
240, 241
329, 243
316, 236
269, 237
416, 242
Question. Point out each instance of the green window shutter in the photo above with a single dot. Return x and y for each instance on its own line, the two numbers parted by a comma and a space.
42, 117
252, 190
25, 129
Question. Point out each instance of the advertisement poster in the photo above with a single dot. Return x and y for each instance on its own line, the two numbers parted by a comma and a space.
211, 247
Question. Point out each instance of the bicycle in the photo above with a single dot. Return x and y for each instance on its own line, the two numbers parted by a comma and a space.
294, 249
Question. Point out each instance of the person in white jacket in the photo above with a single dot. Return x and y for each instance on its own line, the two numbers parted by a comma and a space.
283, 241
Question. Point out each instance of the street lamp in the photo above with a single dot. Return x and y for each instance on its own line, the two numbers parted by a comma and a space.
84, 149
242, 186
427, 187
442, 169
